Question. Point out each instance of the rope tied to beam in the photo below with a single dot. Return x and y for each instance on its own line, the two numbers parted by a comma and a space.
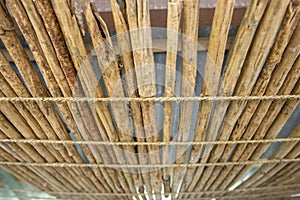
79, 165
295, 186
148, 99
108, 143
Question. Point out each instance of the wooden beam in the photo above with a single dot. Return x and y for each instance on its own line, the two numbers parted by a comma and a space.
159, 17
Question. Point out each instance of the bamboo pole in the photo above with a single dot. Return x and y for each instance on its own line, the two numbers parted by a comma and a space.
65, 155
81, 114
51, 58
279, 172
24, 126
212, 74
279, 169
291, 178
11, 76
124, 44
190, 20
78, 53
223, 151
10, 131
110, 73
274, 111
14, 116
40, 43
16, 148
173, 25
56, 38
294, 180
280, 77
272, 174
53, 86
5, 155
288, 174
33, 176
31, 78
138, 21
10, 111
141, 40
19, 154
76, 10
286, 110
253, 64
36, 121
28, 177
159, 46
29, 35
9, 154
264, 172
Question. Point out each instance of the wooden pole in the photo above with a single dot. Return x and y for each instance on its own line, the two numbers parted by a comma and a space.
255, 151
78, 53
173, 25
212, 75
222, 151
281, 82
124, 44
190, 20
80, 113
50, 78
110, 73
267, 171
252, 66
138, 17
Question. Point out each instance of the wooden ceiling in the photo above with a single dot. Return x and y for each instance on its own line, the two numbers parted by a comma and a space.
58, 89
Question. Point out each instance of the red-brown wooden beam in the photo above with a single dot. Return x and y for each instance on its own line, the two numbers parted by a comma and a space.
159, 17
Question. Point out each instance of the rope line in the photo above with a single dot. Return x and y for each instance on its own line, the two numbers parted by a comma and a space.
94, 165
108, 143
260, 196
167, 193
28, 197
147, 99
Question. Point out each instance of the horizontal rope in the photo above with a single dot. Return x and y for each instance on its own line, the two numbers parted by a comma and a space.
80, 165
27, 197
167, 193
278, 194
147, 99
36, 141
